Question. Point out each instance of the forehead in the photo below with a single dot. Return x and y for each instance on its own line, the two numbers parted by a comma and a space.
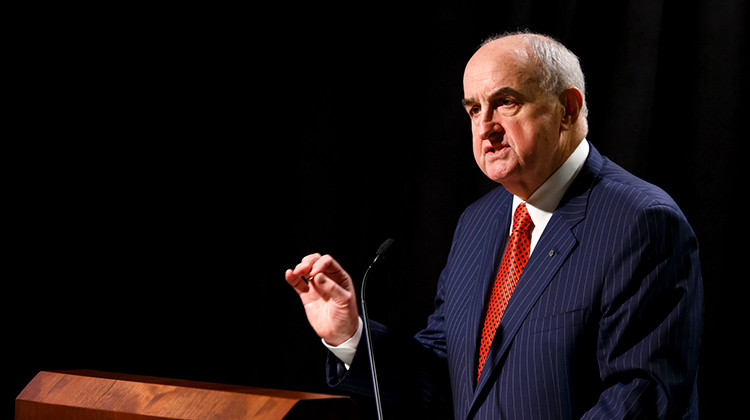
497, 65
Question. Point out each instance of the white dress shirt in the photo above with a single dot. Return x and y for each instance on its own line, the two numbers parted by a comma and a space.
545, 199
540, 206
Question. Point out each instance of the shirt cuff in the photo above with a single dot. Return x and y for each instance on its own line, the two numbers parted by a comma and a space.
346, 350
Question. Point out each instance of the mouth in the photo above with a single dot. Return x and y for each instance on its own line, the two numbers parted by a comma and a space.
495, 149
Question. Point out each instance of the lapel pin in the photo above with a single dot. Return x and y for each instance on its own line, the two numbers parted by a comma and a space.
551, 252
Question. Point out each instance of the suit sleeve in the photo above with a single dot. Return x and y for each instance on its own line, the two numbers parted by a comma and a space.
651, 321
412, 378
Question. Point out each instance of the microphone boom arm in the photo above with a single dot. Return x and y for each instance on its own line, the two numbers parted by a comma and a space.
366, 321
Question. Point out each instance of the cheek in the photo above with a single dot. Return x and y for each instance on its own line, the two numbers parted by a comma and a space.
523, 138
476, 146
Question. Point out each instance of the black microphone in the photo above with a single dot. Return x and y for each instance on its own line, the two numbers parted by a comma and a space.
366, 321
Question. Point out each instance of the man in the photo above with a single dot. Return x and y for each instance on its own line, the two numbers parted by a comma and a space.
572, 291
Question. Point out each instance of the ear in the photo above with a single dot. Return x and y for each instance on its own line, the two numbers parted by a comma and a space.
572, 101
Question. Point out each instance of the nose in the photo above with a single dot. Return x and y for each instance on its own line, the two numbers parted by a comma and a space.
488, 124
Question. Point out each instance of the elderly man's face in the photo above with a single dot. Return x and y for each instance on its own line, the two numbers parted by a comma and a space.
515, 125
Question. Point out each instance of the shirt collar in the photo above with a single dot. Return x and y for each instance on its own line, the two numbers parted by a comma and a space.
545, 199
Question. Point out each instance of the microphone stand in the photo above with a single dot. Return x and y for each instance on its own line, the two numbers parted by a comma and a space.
378, 405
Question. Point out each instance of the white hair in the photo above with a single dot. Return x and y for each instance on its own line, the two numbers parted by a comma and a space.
558, 67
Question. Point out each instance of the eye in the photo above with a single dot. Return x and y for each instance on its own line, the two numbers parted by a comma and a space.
474, 110
507, 102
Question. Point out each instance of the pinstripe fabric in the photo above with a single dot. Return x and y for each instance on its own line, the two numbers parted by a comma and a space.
605, 321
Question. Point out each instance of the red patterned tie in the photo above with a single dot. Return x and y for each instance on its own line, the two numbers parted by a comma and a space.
511, 267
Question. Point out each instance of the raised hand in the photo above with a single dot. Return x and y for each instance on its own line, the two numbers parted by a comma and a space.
329, 297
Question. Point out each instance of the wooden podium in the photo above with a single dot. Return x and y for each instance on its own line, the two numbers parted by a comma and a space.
83, 395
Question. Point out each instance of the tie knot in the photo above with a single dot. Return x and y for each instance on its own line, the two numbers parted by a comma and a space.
521, 218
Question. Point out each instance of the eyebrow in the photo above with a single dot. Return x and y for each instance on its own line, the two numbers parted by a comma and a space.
501, 92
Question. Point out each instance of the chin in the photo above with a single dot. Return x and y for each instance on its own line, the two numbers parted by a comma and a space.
499, 175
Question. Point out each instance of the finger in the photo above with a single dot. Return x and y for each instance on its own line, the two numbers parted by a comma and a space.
331, 268
299, 285
329, 289
305, 266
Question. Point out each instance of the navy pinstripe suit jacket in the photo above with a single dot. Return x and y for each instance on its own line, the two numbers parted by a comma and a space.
605, 322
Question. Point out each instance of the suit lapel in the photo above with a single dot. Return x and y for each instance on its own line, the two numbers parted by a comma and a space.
552, 250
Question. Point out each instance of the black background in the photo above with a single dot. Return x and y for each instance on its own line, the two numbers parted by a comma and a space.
166, 164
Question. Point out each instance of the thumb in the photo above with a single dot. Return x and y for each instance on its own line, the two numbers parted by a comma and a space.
329, 289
